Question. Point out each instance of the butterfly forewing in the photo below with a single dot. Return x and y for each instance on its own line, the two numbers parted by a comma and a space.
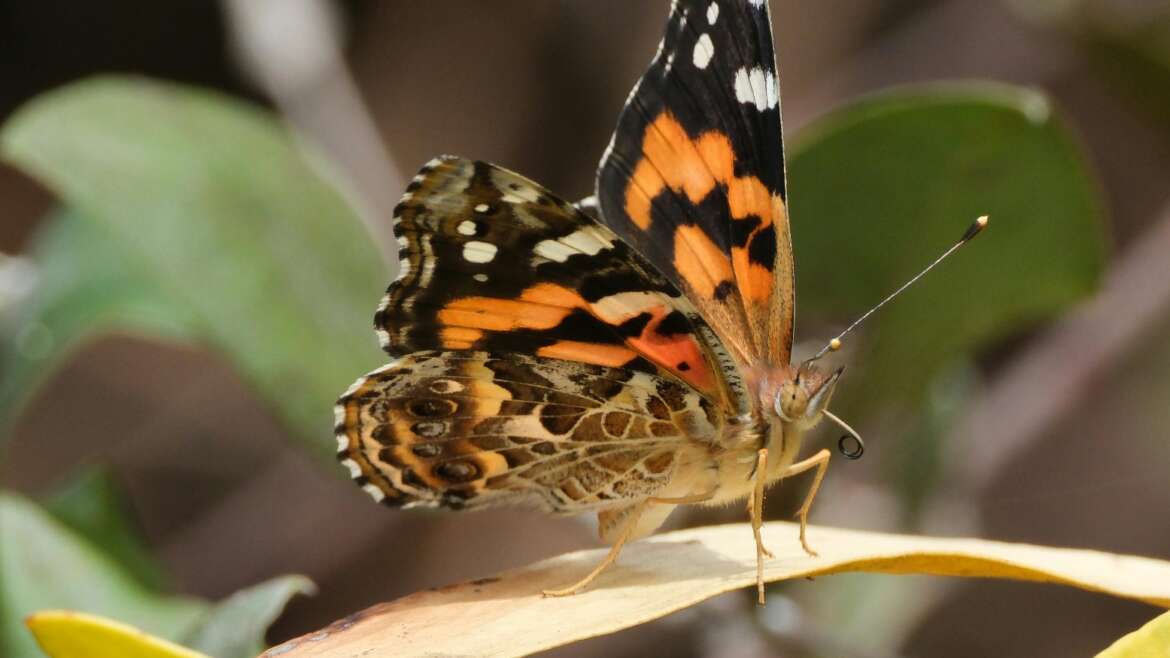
491, 261
694, 176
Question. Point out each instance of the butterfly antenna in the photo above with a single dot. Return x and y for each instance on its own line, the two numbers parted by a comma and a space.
835, 344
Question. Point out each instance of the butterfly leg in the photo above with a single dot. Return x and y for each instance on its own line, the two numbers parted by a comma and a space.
821, 462
631, 522
756, 509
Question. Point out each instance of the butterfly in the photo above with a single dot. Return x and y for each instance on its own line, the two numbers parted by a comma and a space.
623, 365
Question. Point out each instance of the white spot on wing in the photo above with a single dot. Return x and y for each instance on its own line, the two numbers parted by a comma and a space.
466, 227
704, 51
427, 261
618, 308
756, 3
482, 208
481, 277
756, 87
713, 13
479, 252
354, 469
553, 250
588, 240
374, 492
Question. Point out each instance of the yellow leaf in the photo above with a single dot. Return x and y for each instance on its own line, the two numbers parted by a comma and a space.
1149, 641
506, 615
68, 634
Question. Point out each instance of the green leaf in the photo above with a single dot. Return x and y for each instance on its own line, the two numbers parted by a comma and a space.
881, 187
1149, 641
215, 199
85, 284
92, 505
44, 565
235, 627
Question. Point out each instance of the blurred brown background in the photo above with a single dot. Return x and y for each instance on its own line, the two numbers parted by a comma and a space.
226, 500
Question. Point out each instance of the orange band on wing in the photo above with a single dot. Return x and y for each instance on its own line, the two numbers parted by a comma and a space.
699, 261
671, 159
495, 314
600, 354
459, 338
546, 305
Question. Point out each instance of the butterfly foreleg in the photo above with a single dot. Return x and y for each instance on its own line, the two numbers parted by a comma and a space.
756, 510
631, 522
821, 462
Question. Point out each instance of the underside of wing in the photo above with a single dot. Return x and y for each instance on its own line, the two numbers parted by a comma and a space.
491, 261
469, 429
694, 176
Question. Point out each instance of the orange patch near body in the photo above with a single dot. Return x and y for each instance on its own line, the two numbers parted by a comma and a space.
671, 159
600, 354
680, 354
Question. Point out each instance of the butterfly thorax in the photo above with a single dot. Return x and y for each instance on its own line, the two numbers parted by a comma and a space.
787, 402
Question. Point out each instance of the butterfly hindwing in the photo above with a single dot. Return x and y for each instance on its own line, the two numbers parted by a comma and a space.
694, 176
491, 261
469, 429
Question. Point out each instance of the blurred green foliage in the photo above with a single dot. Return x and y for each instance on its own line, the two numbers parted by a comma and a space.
45, 565
96, 563
91, 505
87, 284
225, 215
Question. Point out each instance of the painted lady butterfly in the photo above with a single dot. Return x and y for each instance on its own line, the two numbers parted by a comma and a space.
625, 366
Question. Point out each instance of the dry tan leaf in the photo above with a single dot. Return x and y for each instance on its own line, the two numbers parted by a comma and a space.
506, 616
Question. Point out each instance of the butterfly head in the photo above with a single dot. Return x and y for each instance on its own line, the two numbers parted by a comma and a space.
803, 395
800, 398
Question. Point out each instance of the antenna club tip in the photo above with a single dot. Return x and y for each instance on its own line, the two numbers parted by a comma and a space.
835, 344
975, 227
